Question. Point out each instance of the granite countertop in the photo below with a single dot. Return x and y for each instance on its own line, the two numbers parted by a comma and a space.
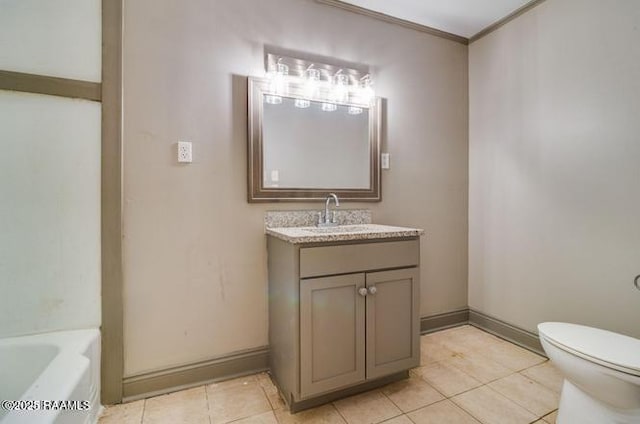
299, 235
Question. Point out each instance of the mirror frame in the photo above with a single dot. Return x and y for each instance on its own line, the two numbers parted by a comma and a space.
257, 192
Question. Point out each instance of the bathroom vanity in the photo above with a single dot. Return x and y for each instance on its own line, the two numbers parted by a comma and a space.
343, 309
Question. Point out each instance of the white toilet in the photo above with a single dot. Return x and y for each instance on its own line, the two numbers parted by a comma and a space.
601, 371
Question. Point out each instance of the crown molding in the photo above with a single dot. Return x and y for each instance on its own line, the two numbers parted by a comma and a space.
393, 20
510, 17
427, 29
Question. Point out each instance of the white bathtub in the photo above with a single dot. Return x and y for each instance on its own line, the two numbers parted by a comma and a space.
37, 372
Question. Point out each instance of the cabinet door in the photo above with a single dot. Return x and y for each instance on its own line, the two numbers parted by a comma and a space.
332, 332
393, 321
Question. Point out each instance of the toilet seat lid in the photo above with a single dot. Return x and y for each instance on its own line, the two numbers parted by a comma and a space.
605, 347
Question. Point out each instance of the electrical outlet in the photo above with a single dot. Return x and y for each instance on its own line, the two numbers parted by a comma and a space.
184, 152
385, 161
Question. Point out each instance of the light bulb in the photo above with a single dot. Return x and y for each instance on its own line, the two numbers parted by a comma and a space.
302, 103
311, 84
272, 100
340, 90
329, 107
279, 83
353, 110
365, 90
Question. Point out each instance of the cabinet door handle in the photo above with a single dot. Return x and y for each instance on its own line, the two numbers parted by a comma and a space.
636, 282
373, 290
362, 291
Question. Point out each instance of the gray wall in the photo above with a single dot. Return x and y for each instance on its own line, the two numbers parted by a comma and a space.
554, 230
194, 249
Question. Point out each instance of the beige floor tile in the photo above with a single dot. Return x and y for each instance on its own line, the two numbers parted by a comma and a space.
459, 330
411, 394
126, 413
545, 374
187, 406
444, 412
401, 419
533, 396
469, 338
275, 400
234, 400
450, 338
325, 414
264, 379
458, 348
479, 367
271, 391
367, 408
551, 418
511, 356
471, 341
264, 418
490, 407
432, 351
455, 363
447, 379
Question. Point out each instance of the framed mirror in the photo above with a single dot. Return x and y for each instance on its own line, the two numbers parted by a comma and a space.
300, 150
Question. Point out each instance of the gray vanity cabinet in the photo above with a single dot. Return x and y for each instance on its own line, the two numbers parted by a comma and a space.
393, 322
332, 333
343, 317
347, 336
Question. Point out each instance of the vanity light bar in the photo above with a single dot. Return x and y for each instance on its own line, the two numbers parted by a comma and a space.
325, 83
297, 67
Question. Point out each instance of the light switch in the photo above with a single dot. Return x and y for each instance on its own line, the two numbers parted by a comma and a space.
384, 161
185, 154
275, 175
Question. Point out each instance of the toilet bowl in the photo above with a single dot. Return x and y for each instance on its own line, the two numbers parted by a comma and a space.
601, 373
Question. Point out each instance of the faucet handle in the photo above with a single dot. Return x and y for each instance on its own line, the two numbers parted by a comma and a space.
319, 218
333, 217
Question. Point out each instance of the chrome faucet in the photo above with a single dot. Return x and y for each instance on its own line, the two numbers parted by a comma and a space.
327, 221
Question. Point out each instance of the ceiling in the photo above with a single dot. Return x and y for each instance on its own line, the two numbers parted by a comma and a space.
461, 17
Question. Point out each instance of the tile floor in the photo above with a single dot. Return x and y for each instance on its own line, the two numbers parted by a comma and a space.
466, 376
